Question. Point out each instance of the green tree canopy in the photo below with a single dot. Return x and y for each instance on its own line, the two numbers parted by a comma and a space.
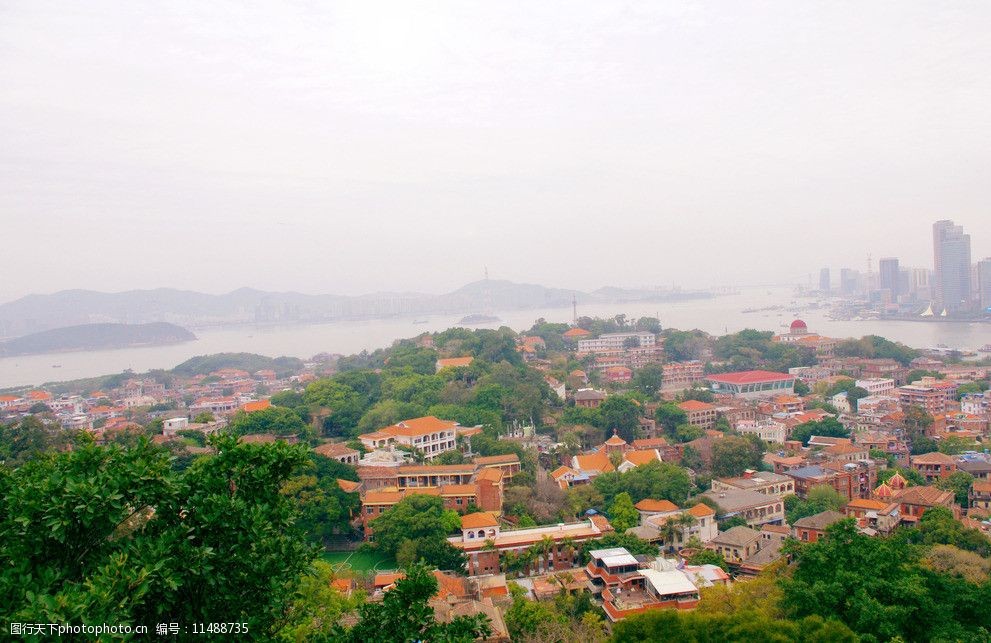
622, 513
880, 589
415, 517
30, 438
826, 427
657, 480
117, 535
274, 419
404, 615
819, 498
670, 416
732, 455
648, 379
621, 414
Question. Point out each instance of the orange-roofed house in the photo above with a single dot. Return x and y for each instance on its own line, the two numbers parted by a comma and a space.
979, 496
618, 374
870, 513
574, 334
934, 466
509, 463
633, 459
338, 451
915, 501
567, 477
699, 413
592, 464
38, 396
429, 434
348, 486
484, 542
454, 362
256, 405
655, 513
648, 508
7, 401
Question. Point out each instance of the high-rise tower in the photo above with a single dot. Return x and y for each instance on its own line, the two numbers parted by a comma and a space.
951, 260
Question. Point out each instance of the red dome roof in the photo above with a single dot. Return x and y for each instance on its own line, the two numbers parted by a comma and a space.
798, 324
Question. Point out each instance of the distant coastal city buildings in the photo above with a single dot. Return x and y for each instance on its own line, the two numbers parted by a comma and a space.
954, 288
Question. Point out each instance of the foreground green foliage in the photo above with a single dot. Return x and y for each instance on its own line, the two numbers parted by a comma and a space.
881, 589
416, 529
404, 614
116, 535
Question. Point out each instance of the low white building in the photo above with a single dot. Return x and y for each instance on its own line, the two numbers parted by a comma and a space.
876, 385
841, 402
769, 430
616, 342
173, 425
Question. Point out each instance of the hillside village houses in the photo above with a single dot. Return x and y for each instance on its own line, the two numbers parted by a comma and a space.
758, 402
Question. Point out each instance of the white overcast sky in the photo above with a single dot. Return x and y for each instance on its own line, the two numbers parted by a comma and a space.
359, 146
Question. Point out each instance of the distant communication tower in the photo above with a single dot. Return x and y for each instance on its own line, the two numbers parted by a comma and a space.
574, 310
487, 294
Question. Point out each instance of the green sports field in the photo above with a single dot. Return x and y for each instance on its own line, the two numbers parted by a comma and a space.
358, 561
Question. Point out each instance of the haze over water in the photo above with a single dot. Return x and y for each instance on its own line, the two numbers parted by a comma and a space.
716, 316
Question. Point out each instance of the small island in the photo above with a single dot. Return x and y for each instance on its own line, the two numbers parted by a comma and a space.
89, 337
476, 319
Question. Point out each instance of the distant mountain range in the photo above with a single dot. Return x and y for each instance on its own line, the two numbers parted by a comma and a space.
190, 309
95, 337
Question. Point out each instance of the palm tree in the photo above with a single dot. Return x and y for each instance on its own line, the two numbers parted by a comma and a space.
546, 547
685, 522
669, 530
567, 548
508, 561
527, 556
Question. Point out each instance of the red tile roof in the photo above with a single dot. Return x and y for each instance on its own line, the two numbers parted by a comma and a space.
418, 426
478, 520
256, 405
695, 405
656, 505
701, 510
642, 457
749, 377
455, 362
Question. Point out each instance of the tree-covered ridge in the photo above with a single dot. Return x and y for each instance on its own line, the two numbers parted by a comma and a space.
250, 362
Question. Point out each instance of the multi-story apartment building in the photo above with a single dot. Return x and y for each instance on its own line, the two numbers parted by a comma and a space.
680, 375
976, 403
765, 482
699, 413
484, 541
428, 434
617, 342
756, 508
876, 385
934, 466
850, 479
980, 496
882, 367
931, 399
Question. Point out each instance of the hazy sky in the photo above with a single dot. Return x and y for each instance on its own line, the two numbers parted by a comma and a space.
356, 146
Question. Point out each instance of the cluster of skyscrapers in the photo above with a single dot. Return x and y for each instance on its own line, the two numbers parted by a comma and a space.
954, 286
